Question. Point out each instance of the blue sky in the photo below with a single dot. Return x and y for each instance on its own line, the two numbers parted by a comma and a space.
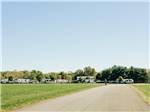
56, 36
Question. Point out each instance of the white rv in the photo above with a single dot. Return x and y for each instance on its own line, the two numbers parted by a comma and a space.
22, 81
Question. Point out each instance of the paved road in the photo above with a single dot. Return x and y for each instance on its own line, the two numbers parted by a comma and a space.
110, 98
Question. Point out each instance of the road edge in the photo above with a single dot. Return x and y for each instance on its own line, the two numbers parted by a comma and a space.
141, 94
13, 110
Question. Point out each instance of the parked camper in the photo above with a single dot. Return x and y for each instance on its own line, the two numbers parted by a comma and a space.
22, 81
61, 81
34, 81
48, 81
4, 81
86, 79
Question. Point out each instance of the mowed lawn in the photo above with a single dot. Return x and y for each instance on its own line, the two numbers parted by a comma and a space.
145, 90
18, 95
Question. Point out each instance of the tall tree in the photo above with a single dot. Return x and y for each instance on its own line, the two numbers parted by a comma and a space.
88, 71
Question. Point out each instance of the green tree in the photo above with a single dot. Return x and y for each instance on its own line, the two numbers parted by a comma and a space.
26, 74
88, 71
59, 76
47, 76
99, 76
33, 75
39, 76
139, 75
148, 75
120, 79
69, 78
106, 74
78, 72
10, 78
117, 71
53, 76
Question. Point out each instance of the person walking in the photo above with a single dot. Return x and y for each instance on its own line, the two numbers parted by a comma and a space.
105, 81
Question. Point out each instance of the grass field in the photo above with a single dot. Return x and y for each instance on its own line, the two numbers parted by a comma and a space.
144, 91
18, 95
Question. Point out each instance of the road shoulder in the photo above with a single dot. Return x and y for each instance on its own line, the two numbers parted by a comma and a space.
141, 94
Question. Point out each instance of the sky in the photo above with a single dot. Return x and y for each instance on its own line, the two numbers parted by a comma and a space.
65, 36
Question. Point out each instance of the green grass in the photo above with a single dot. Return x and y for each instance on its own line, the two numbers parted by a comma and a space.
144, 91
18, 95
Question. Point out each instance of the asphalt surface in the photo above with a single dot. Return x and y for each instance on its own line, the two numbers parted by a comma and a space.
110, 98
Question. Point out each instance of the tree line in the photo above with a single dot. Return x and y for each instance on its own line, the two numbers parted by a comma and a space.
139, 75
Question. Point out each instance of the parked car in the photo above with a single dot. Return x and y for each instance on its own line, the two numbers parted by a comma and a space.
128, 81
